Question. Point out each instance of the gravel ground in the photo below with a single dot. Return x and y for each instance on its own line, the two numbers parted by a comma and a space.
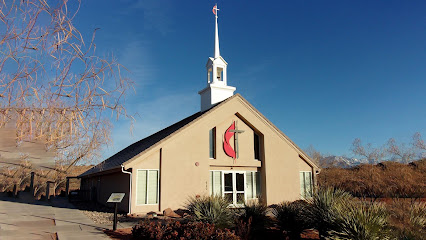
102, 214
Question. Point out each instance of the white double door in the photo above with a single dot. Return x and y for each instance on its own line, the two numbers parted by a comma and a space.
233, 186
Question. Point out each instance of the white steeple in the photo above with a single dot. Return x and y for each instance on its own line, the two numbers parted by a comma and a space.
216, 35
217, 89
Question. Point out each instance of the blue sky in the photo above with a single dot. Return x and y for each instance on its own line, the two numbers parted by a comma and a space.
324, 72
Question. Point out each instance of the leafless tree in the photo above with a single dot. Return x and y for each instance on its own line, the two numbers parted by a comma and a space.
400, 152
418, 142
53, 86
372, 154
315, 155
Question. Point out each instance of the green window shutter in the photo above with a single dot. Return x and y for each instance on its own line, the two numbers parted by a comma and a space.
305, 184
302, 184
308, 181
211, 183
253, 185
217, 183
249, 185
153, 187
141, 187
257, 184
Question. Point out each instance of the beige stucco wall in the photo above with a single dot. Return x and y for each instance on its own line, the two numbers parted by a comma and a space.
150, 161
184, 163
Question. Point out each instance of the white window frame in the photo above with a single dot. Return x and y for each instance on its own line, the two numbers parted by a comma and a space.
147, 191
234, 186
312, 185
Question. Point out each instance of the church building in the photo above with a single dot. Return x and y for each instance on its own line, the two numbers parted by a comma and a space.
228, 148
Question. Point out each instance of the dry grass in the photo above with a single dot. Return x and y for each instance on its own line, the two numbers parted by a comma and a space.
384, 180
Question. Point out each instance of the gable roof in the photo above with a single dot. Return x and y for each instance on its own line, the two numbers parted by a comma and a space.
134, 149
129, 153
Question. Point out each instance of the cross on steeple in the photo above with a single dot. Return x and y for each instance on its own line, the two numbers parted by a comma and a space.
236, 131
215, 9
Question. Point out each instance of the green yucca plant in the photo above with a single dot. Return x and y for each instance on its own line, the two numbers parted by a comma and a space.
418, 215
293, 217
362, 221
211, 209
326, 206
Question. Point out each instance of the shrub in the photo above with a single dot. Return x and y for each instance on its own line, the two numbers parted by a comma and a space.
326, 206
252, 222
211, 209
172, 229
387, 179
362, 221
293, 217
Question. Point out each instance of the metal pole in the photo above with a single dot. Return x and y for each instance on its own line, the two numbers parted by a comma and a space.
32, 184
67, 187
114, 227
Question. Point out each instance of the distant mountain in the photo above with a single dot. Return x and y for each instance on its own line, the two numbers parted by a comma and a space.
341, 161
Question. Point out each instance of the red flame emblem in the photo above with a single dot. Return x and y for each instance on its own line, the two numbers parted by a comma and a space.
226, 144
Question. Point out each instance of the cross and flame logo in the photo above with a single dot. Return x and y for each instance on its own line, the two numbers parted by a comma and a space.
232, 131
226, 144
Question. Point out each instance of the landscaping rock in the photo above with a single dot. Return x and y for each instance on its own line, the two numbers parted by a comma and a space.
170, 213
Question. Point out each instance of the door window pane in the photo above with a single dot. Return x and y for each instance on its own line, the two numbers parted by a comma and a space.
240, 181
240, 198
229, 197
228, 182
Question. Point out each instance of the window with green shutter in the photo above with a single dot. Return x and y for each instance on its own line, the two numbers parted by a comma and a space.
212, 143
305, 184
216, 183
252, 184
147, 187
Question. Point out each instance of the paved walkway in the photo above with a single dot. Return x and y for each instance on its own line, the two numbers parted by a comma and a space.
24, 218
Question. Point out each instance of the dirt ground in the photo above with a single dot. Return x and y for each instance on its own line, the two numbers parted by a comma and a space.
120, 234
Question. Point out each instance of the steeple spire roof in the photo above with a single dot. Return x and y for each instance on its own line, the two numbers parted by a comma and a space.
217, 88
216, 37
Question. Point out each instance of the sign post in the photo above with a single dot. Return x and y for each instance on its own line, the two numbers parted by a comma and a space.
115, 198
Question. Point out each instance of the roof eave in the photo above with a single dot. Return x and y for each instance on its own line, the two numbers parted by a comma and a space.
103, 172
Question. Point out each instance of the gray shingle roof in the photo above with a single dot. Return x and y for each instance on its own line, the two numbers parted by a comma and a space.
129, 152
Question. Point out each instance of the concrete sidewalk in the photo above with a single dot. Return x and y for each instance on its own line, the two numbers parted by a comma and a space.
24, 218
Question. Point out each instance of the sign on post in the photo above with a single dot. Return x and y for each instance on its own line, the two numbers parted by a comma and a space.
115, 198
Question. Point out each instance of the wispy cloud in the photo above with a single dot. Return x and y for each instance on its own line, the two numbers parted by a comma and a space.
156, 14
135, 56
